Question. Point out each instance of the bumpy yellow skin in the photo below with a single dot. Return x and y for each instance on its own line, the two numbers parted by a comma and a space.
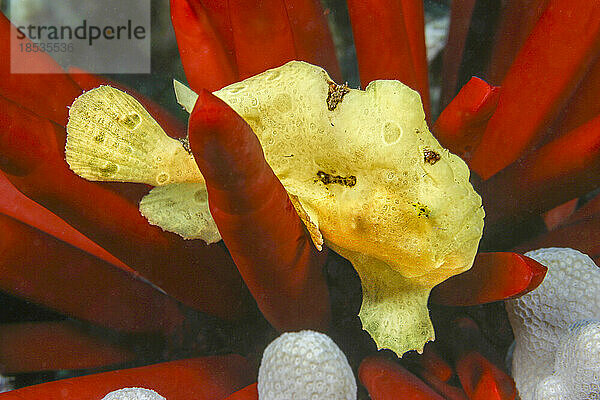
364, 172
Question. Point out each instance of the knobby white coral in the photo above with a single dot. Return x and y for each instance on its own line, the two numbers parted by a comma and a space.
305, 365
540, 319
133, 394
576, 367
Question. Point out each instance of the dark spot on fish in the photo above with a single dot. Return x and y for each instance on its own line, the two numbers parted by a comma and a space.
328, 179
185, 142
422, 209
109, 169
431, 156
131, 120
336, 94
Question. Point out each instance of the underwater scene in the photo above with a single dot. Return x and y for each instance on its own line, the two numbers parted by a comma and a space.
300, 199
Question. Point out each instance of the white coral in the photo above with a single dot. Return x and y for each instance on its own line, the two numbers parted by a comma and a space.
576, 367
305, 365
133, 393
570, 292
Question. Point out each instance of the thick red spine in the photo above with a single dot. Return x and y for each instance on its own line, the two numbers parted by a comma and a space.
381, 38
312, 39
516, 23
206, 378
52, 346
257, 221
547, 69
262, 34
493, 277
386, 380
206, 60
563, 169
460, 21
47, 271
47, 93
461, 124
